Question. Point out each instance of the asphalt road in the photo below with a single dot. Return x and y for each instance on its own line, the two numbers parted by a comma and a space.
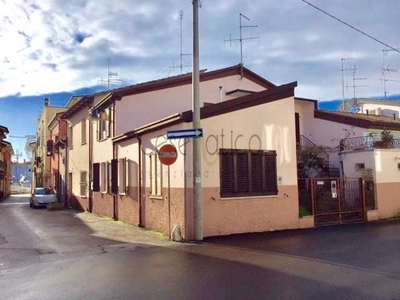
70, 255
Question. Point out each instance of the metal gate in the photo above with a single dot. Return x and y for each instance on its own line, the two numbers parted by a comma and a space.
336, 201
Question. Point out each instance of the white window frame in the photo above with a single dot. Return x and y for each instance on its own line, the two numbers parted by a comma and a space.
155, 176
83, 184
83, 132
71, 137
104, 177
122, 176
104, 125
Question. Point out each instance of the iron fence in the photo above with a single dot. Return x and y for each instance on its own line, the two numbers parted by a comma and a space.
368, 143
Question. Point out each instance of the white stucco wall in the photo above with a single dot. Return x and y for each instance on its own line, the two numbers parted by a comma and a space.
78, 155
380, 109
386, 169
350, 159
386, 173
44, 134
305, 109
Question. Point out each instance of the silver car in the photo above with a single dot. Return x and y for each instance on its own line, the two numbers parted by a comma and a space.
42, 197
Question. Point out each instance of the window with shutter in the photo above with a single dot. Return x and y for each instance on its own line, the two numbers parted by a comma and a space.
270, 173
114, 176
83, 184
155, 175
104, 177
227, 173
96, 177
242, 173
247, 173
257, 177
122, 176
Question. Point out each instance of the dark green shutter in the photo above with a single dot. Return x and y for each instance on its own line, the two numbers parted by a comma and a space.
257, 186
96, 177
114, 176
271, 183
227, 178
242, 169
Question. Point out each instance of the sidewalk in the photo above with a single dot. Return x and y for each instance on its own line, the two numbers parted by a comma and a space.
107, 228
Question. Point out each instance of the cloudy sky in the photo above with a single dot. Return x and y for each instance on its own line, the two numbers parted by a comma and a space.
61, 46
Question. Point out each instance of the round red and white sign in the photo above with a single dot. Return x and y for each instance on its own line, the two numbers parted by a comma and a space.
167, 154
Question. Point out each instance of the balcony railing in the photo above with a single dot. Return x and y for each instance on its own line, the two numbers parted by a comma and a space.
368, 143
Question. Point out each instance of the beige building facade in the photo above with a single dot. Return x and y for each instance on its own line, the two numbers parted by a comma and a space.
42, 170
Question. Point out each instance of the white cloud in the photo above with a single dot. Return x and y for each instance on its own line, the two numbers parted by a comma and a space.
58, 45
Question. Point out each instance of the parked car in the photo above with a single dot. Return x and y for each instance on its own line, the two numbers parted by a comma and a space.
42, 197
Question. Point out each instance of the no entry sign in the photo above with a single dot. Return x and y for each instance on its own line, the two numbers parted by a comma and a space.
167, 154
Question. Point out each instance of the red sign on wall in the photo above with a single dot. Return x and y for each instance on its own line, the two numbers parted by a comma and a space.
167, 154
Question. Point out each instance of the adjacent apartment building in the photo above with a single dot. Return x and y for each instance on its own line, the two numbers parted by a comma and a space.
6, 152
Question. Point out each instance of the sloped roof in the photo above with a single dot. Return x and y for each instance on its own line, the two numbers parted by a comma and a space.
169, 82
183, 79
254, 99
359, 120
54, 119
7, 145
4, 129
84, 101
378, 101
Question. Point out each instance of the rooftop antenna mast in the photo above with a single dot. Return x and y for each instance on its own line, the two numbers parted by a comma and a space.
181, 66
355, 79
343, 69
17, 155
386, 70
110, 76
241, 38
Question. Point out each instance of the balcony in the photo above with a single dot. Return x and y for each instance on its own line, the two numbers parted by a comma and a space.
368, 143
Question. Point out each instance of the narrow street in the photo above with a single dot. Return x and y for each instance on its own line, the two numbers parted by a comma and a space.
74, 255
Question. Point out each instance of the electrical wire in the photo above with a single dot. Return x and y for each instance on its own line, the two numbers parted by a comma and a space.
352, 27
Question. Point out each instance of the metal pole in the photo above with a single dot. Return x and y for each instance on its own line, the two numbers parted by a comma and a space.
181, 16
241, 47
343, 82
169, 204
197, 190
90, 166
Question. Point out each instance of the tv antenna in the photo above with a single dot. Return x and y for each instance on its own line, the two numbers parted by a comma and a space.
17, 155
241, 38
355, 79
343, 69
386, 70
110, 76
181, 66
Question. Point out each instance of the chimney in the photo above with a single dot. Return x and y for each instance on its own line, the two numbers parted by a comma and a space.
46, 101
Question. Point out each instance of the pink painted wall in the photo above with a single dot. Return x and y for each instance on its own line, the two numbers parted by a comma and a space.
230, 215
151, 106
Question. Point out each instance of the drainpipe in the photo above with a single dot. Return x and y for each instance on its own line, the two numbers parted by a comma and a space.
115, 210
115, 196
65, 186
185, 196
140, 181
90, 166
